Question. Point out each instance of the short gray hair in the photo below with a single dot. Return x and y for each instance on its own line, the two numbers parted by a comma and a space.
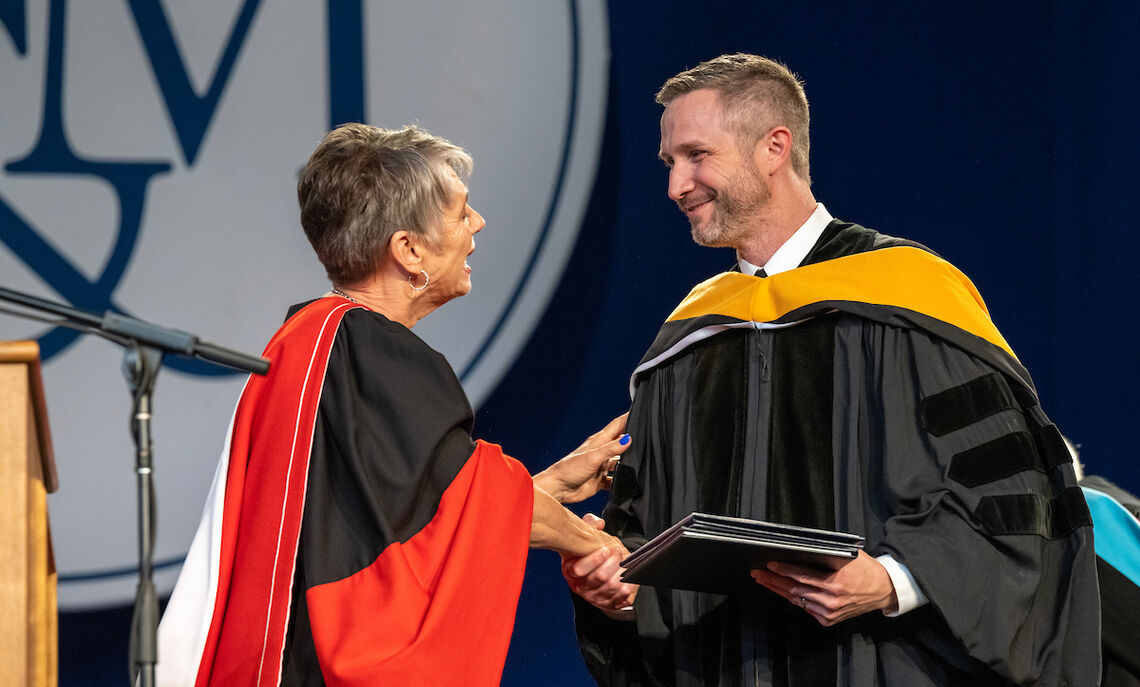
756, 94
363, 184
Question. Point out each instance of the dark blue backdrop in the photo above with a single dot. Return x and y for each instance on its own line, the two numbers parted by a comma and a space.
1003, 135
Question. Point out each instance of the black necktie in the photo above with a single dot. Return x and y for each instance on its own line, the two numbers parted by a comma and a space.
761, 273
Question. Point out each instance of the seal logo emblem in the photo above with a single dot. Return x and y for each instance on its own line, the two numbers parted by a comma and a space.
147, 164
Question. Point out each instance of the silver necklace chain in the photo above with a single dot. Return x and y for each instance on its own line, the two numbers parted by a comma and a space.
342, 294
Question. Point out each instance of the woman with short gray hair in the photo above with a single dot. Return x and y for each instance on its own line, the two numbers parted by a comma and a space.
356, 534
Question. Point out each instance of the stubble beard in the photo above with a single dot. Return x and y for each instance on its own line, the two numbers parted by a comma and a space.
733, 213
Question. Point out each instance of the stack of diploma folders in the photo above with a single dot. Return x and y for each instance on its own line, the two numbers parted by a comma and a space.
714, 553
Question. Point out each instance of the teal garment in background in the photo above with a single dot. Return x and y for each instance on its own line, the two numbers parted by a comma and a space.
1116, 533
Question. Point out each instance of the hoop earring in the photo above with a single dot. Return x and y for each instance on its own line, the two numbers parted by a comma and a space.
412, 284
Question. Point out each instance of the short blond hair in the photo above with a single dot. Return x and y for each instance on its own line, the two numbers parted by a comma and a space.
756, 94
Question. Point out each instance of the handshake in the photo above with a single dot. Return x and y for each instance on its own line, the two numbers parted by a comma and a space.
590, 556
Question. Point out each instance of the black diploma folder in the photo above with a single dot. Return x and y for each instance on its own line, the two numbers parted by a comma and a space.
714, 553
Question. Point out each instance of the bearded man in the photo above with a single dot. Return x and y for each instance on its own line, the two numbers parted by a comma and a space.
844, 380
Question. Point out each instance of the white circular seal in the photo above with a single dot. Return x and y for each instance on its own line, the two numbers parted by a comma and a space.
148, 162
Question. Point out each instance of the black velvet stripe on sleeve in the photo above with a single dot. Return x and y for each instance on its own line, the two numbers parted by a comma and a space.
965, 404
1034, 514
1050, 444
996, 459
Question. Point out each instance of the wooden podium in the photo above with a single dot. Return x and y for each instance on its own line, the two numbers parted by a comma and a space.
29, 632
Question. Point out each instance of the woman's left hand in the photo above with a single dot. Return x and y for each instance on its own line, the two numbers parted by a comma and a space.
587, 469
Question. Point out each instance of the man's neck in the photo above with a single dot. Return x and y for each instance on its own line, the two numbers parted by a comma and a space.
780, 220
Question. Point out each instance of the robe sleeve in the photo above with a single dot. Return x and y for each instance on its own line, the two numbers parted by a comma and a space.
407, 617
969, 485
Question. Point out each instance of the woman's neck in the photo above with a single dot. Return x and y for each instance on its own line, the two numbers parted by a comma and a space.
388, 295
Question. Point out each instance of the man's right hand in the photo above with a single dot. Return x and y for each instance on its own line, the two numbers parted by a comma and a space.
596, 577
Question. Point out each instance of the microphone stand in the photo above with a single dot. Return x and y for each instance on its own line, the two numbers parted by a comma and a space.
145, 345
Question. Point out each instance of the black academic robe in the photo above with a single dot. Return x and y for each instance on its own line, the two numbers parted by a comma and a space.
355, 533
868, 392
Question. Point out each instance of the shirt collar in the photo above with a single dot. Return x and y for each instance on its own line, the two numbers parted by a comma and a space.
796, 248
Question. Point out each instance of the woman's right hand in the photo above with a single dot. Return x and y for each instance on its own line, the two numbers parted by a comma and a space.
556, 528
596, 577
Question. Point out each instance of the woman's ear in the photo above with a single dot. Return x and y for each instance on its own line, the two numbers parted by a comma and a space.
406, 251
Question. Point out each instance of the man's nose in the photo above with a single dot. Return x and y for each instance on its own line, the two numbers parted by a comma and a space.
680, 182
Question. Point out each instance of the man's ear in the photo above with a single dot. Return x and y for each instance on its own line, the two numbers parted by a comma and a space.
406, 251
774, 151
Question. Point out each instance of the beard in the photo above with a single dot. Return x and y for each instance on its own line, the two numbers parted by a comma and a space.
734, 210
